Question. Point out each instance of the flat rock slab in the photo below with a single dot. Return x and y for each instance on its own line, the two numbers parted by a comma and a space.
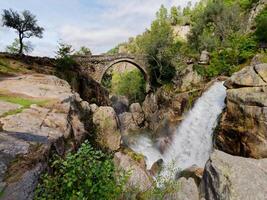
6, 106
27, 137
38, 86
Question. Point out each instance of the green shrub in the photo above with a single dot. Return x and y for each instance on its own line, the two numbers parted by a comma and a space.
130, 84
87, 174
64, 58
261, 26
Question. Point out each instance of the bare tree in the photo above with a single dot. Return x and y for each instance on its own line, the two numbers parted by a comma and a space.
25, 24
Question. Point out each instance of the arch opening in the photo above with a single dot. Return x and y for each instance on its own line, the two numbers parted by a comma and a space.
125, 79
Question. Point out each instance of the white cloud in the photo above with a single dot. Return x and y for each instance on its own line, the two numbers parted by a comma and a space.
100, 24
96, 39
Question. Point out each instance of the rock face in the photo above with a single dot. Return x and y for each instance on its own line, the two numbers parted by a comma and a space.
258, 7
120, 104
150, 108
204, 58
49, 117
229, 177
171, 101
188, 79
127, 122
107, 130
187, 190
243, 128
139, 177
137, 112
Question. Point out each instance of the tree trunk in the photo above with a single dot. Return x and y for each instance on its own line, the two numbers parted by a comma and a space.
21, 44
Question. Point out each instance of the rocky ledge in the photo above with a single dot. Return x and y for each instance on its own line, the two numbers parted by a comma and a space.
233, 177
39, 114
243, 127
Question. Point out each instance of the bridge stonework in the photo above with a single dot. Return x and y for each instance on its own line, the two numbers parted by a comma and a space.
97, 65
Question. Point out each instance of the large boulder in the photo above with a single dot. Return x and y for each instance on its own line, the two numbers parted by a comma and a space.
46, 116
243, 128
188, 79
120, 104
187, 190
150, 108
137, 112
127, 122
229, 177
107, 130
139, 178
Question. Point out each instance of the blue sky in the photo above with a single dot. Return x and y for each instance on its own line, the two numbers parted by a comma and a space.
97, 24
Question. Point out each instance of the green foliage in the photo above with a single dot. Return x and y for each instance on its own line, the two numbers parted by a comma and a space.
25, 24
64, 58
261, 26
159, 47
84, 51
130, 84
238, 49
164, 187
114, 50
87, 174
175, 15
244, 4
14, 48
218, 21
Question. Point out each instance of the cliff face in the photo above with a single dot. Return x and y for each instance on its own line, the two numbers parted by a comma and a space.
39, 115
243, 128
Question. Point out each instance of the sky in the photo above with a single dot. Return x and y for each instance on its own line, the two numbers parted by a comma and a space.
97, 24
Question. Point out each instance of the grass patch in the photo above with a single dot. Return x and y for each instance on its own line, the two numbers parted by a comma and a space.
10, 67
23, 101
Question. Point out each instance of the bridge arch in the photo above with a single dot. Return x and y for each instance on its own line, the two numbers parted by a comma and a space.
131, 61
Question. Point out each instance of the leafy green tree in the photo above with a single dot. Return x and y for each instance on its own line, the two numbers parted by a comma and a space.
130, 84
175, 16
219, 21
84, 51
159, 47
25, 24
64, 56
261, 26
15, 47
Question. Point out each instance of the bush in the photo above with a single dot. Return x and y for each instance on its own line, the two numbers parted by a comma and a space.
236, 50
130, 84
261, 24
87, 174
64, 58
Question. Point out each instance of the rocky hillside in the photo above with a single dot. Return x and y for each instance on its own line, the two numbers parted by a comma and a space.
40, 115
243, 128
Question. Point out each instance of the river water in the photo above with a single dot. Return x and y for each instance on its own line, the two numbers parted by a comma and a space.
192, 141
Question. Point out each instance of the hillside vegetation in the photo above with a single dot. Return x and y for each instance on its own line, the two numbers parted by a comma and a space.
219, 27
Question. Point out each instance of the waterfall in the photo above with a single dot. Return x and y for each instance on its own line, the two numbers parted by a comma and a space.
192, 141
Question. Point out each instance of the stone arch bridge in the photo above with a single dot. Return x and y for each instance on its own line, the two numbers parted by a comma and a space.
97, 65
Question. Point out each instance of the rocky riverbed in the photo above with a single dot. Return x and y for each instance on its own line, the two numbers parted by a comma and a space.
40, 115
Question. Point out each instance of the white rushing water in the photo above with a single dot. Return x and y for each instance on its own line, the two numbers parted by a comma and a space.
192, 142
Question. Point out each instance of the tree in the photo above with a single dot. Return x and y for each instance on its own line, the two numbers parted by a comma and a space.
218, 20
261, 24
64, 50
15, 47
25, 24
65, 56
84, 51
175, 16
130, 84
159, 47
